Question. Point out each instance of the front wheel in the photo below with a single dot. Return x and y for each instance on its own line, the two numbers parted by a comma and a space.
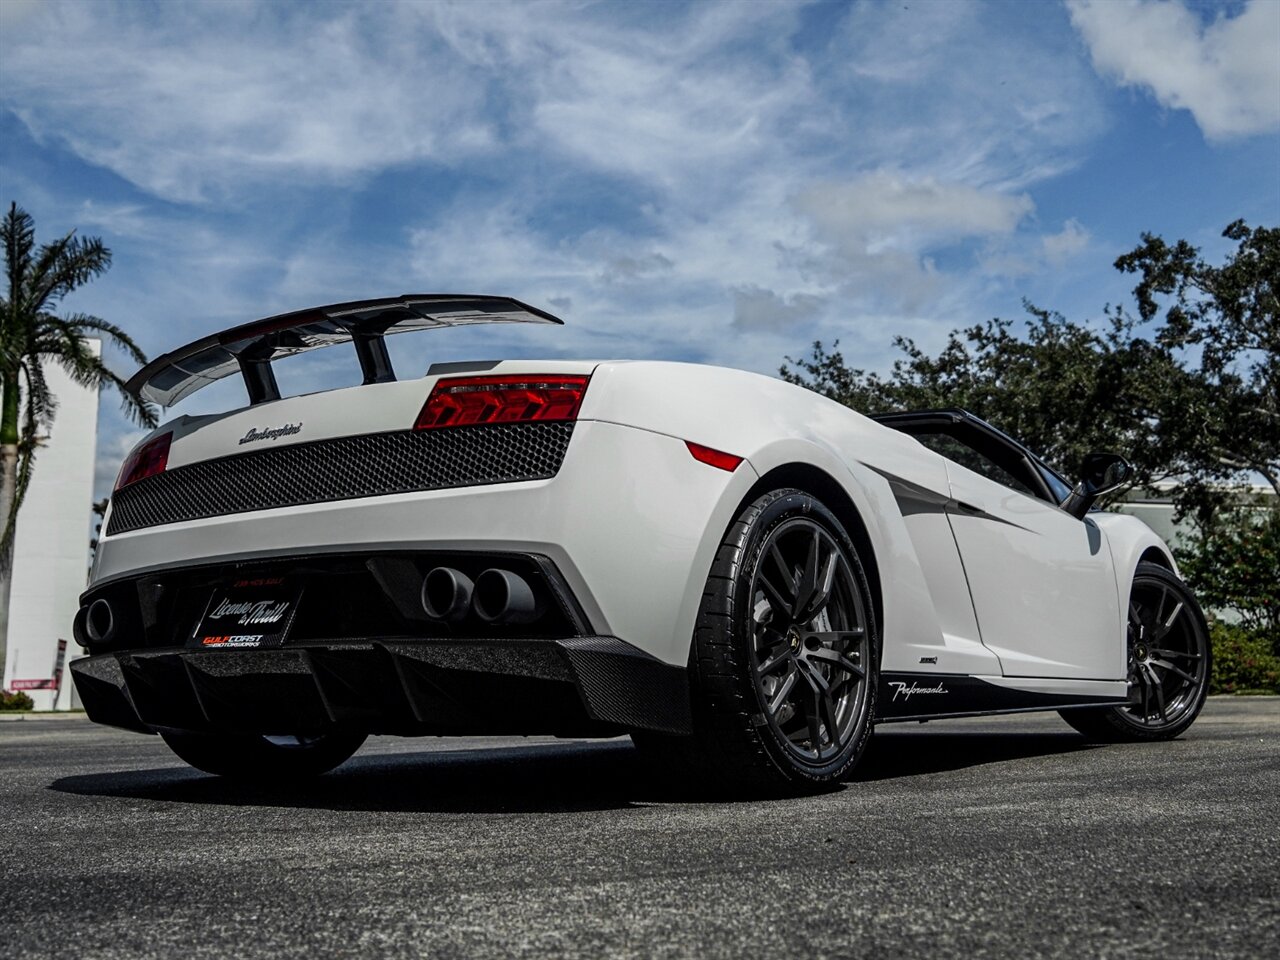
257, 757
784, 663
1169, 664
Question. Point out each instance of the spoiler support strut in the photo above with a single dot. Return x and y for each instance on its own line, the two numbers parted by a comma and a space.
259, 380
375, 362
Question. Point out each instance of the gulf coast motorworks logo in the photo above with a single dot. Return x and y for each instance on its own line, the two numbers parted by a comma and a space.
271, 433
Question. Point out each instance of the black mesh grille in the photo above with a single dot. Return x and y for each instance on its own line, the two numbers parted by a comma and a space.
343, 469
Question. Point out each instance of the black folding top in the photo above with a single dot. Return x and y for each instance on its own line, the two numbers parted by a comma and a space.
249, 348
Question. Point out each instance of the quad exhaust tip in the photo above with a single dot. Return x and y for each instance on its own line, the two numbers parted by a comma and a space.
501, 596
496, 596
99, 621
446, 594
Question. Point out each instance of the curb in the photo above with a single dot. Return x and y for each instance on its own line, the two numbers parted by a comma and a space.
18, 715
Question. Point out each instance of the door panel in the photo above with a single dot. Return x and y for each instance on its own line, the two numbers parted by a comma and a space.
958, 648
1042, 582
920, 485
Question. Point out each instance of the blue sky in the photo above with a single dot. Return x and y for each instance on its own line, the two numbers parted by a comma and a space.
713, 182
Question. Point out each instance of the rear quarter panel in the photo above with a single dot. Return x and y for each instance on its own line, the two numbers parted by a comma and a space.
772, 423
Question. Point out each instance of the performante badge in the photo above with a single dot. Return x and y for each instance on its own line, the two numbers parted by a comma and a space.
907, 691
271, 433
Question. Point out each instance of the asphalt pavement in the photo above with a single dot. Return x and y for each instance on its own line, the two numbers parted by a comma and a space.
1003, 837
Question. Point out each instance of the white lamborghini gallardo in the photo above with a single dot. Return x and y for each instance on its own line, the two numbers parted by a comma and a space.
744, 576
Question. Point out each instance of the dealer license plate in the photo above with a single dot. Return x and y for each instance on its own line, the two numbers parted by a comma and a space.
248, 613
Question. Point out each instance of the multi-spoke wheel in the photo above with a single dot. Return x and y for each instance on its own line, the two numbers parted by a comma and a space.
1169, 661
249, 756
784, 660
809, 640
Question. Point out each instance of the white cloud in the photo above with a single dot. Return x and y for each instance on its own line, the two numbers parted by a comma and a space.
985, 94
1067, 243
886, 210
206, 102
669, 101
1227, 72
875, 236
188, 104
625, 268
758, 309
1020, 257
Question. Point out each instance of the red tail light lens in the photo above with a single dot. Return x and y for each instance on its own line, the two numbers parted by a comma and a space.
714, 458
464, 401
146, 460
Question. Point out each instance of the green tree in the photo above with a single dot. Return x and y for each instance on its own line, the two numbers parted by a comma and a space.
1186, 386
32, 333
1230, 314
1235, 564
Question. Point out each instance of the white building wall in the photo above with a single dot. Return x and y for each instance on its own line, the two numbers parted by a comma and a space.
51, 548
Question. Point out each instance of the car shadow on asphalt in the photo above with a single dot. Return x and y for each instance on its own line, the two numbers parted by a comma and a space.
541, 777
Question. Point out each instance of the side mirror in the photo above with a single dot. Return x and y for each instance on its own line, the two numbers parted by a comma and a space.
1099, 473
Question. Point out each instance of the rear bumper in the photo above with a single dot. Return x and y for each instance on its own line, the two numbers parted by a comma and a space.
631, 521
579, 686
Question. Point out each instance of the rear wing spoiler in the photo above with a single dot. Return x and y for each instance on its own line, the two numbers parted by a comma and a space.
250, 348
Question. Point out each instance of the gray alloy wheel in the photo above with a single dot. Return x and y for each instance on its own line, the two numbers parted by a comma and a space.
263, 758
810, 643
785, 656
1169, 664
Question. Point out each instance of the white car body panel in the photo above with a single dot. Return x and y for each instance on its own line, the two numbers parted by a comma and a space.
1028, 565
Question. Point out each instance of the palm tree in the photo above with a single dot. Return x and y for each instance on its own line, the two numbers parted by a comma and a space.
31, 333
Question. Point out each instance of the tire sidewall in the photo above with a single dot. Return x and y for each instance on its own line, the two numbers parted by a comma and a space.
1164, 576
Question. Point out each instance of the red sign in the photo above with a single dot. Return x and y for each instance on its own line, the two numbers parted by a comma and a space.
49, 683
46, 684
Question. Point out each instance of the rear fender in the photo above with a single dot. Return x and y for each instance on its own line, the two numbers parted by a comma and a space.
907, 605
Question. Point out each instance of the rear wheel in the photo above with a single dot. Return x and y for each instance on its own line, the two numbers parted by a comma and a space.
259, 757
1169, 662
784, 663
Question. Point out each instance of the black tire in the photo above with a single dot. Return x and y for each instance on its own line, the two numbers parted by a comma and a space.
780, 704
254, 757
1167, 683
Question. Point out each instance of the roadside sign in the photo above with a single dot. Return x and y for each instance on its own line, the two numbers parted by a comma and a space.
48, 683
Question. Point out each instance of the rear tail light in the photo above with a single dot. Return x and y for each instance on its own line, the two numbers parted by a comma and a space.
146, 460
464, 401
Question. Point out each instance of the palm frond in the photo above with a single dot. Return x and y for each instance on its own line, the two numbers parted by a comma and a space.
39, 402
139, 411
63, 265
18, 232
85, 323
62, 342
89, 370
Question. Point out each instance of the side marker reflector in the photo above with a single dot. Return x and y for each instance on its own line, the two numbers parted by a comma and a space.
714, 458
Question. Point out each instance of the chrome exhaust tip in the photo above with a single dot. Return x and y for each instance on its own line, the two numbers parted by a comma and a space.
446, 594
504, 597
